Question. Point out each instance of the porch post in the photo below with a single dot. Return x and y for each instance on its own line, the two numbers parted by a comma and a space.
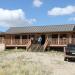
46, 36
58, 38
27, 36
2, 40
11, 39
20, 39
50, 38
70, 38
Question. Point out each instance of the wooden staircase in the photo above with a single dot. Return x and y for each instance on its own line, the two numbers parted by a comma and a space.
28, 44
36, 48
46, 44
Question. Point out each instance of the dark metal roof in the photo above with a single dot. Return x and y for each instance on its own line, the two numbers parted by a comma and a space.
41, 29
1, 33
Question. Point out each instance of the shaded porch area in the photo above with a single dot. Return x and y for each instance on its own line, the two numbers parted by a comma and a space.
48, 39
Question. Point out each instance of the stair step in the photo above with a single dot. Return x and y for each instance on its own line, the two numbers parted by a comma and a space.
35, 47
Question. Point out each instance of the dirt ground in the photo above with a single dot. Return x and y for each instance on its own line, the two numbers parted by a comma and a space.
47, 63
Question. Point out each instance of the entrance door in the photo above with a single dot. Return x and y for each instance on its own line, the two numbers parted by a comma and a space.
43, 39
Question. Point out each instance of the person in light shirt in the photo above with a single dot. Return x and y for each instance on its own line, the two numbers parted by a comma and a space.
39, 40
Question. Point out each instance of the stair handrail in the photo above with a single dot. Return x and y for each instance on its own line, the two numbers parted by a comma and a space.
46, 44
28, 44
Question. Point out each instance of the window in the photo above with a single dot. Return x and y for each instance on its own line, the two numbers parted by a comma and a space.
29, 36
49, 36
63, 35
2, 36
24, 36
54, 35
17, 36
73, 35
33, 36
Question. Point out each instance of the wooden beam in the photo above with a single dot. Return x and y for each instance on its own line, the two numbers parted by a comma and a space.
58, 39
27, 36
2, 39
11, 39
20, 39
70, 38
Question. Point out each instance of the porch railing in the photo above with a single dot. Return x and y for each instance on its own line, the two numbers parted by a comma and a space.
64, 41
55, 41
73, 40
25, 41
29, 43
16, 41
0, 40
7, 41
46, 44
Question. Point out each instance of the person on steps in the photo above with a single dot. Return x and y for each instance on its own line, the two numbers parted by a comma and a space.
39, 40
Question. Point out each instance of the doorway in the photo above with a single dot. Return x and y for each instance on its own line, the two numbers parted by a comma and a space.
43, 39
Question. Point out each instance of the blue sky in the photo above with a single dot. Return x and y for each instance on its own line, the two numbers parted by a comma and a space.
36, 12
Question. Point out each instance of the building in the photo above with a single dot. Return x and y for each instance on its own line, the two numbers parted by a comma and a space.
52, 36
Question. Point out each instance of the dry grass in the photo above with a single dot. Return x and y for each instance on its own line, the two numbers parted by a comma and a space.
34, 63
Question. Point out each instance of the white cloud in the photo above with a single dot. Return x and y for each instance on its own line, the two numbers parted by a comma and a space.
9, 18
37, 3
72, 19
56, 11
32, 20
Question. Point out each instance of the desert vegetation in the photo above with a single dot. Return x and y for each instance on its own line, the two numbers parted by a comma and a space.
20, 62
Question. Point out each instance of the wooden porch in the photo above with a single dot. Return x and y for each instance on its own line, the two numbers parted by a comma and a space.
59, 40
51, 39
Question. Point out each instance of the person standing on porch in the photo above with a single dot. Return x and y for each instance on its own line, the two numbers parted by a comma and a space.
40, 40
